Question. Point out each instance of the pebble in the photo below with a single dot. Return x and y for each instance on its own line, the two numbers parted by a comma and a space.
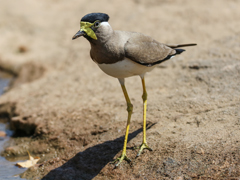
3, 134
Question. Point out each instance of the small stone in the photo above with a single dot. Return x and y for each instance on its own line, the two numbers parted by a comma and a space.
178, 178
3, 134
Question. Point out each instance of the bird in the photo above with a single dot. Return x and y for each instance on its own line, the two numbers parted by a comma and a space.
122, 54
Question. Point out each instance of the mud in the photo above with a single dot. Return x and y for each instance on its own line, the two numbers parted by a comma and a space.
66, 111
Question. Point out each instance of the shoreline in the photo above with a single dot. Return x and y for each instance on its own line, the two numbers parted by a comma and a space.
65, 110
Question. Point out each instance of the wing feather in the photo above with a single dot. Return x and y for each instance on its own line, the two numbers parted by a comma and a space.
147, 51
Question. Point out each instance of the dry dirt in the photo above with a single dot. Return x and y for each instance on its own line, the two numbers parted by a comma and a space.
66, 111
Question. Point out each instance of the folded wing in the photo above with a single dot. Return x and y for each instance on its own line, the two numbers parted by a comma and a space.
147, 51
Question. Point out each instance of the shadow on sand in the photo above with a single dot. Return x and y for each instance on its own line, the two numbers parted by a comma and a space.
87, 164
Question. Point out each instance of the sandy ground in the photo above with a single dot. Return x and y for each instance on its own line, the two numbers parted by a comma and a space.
67, 111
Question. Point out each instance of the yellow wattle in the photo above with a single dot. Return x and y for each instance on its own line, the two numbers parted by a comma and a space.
86, 27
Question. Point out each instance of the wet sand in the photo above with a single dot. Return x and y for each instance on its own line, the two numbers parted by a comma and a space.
65, 110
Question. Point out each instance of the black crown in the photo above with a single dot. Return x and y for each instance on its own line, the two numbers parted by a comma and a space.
92, 17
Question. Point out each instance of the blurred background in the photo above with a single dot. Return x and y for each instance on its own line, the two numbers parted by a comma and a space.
59, 93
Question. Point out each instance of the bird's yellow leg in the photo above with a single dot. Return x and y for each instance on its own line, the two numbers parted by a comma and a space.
144, 97
130, 110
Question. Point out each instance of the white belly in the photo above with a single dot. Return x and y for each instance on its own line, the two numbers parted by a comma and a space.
124, 68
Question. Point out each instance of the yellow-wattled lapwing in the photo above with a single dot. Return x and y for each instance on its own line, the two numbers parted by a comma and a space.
122, 54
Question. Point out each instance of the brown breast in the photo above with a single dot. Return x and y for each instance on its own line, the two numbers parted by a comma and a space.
112, 50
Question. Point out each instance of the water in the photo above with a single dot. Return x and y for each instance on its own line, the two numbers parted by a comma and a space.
8, 170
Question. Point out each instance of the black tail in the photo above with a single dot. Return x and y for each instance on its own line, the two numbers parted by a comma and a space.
180, 45
179, 51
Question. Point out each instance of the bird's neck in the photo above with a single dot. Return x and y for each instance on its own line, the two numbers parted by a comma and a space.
104, 33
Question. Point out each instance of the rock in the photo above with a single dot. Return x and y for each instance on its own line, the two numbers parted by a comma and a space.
3, 134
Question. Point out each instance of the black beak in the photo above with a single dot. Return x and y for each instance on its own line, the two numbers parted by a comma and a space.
78, 34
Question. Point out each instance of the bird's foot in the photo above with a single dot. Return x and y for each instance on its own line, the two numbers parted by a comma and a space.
120, 159
142, 147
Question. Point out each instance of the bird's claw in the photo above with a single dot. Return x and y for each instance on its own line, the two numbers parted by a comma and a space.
120, 159
142, 147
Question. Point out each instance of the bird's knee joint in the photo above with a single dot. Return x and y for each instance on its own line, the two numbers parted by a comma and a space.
144, 96
129, 107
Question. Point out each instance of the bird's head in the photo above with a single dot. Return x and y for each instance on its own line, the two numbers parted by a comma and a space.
90, 24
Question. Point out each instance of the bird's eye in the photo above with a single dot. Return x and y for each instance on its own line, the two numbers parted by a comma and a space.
96, 24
